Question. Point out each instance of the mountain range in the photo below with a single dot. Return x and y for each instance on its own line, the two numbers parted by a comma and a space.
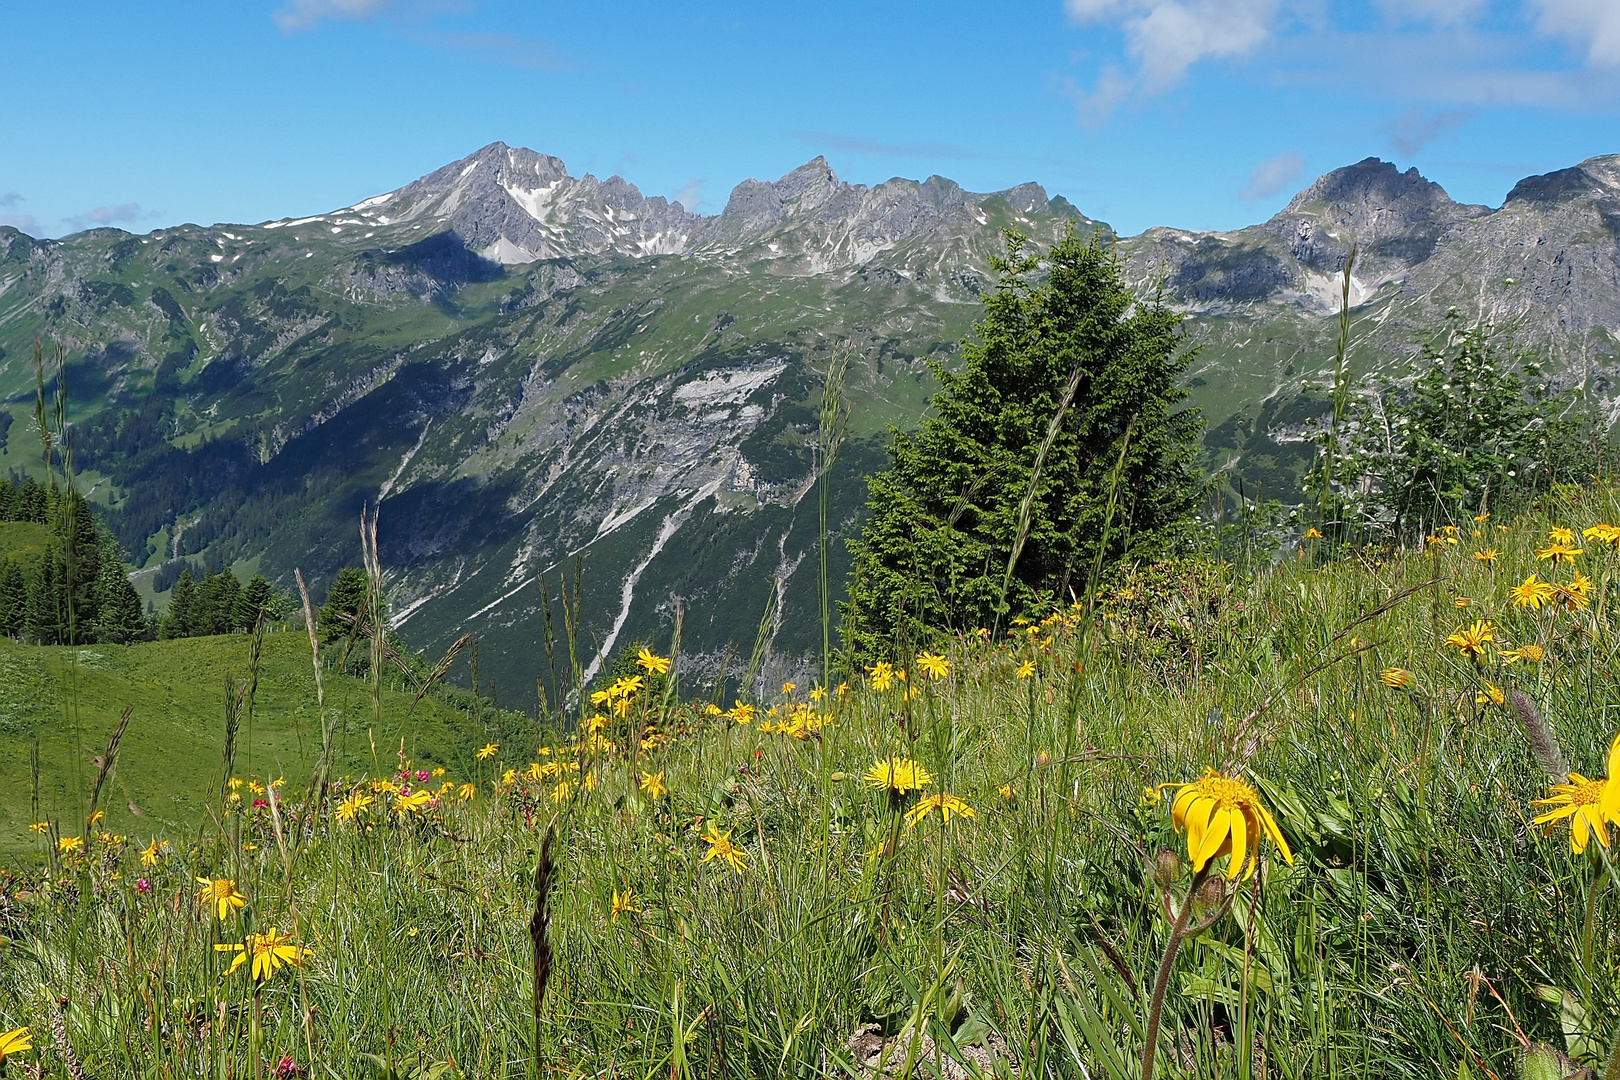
526, 369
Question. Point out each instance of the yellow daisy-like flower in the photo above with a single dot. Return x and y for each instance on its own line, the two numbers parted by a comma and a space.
650, 661
899, 776
1026, 669
933, 666
1483, 517
1604, 532
1488, 555
488, 751
269, 951
1313, 533
818, 694
1530, 654
350, 808
219, 894
742, 713
1560, 535
1577, 595
413, 803
69, 844
150, 853
1007, 791
1472, 640
1558, 553
652, 785
1582, 802
624, 903
946, 805
1461, 602
39, 827
15, 1041
1396, 678
882, 676
789, 687
1223, 815
1491, 695
721, 847
1532, 593
561, 792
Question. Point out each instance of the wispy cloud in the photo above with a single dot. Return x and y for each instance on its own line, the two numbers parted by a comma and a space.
1415, 129
1592, 24
493, 48
119, 214
298, 15
1440, 12
1273, 175
10, 198
690, 195
24, 222
855, 144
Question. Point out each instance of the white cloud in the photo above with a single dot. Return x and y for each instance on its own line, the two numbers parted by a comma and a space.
23, 222
10, 198
1442, 12
1594, 24
1166, 37
1273, 174
107, 215
303, 14
690, 196
1414, 129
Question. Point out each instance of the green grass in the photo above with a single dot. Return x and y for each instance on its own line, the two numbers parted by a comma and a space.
1423, 925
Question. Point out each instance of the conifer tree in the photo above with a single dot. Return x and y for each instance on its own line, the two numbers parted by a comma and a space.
30, 504
256, 602
947, 517
177, 621
45, 614
120, 615
344, 602
13, 598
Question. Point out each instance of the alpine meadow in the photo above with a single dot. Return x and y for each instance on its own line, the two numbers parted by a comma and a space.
515, 627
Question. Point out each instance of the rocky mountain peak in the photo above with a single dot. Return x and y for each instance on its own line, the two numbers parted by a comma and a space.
1598, 175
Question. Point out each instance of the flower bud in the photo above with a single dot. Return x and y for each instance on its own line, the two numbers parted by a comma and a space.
1212, 893
1165, 868
1541, 1062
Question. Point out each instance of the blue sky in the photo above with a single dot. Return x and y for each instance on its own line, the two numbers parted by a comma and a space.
1194, 113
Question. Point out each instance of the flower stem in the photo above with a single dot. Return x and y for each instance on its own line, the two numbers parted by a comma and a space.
1156, 1004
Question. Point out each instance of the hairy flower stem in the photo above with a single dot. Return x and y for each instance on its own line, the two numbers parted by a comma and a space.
1156, 1004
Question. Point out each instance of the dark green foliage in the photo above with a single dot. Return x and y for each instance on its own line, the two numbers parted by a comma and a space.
45, 620
214, 610
177, 621
13, 598
258, 602
1479, 429
30, 502
119, 611
344, 601
945, 515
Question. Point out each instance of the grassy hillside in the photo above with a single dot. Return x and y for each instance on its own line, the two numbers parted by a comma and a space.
170, 760
761, 909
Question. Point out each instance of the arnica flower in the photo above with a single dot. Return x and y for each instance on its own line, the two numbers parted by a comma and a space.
412, 803
652, 785
1577, 595
1471, 640
1492, 695
1397, 678
1007, 791
70, 844
219, 894
1313, 533
15, 1041
488, 751
150, 853
1461, 602
269, 951
882, 676
1489, 555
721, 847
789, 687
1530, 654
1026, 669
898, 776
1223, 815
650, 661
1581, 801
350, 808
561, 792
466, 792
944, 803
624, 903
39, 827
1558, 553
1604, 532
1532, 593
1560, 535
933, 666
742, 713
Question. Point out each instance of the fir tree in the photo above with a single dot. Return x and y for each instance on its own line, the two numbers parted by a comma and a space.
13, 598
177, 621
258, 601
946, 515
30, 502
45, 619
80, 540
214, 610
120, 615
344, 601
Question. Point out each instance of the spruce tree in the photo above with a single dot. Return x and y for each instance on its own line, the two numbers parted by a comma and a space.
177, 621
1062, 337
45, 613
258, 601
344, 601
120, 615
13, 598
80, 541
30, 504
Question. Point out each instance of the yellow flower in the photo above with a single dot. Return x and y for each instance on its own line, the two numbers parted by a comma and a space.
69, 844
269, 952
944, 803
219, 894
1577, 595
818, 694
1486, 516
467, 791
1532, 593
1533, 654
742, 713
561, 792
255, 787
1558, 552
149, 854
652, 785
97, 817
1492, 694
1396, 678
488, 751
1461, 601
39, 827
1223, 815
1562, 536
350, 808
412, 803
788, 687
647, 660
898, 776
882, 676
1604, 532
624, 902
935, 667
1007, 791
1026, 669
1471, 640
1313, 533
15, 1041
1582, 802
721, 847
